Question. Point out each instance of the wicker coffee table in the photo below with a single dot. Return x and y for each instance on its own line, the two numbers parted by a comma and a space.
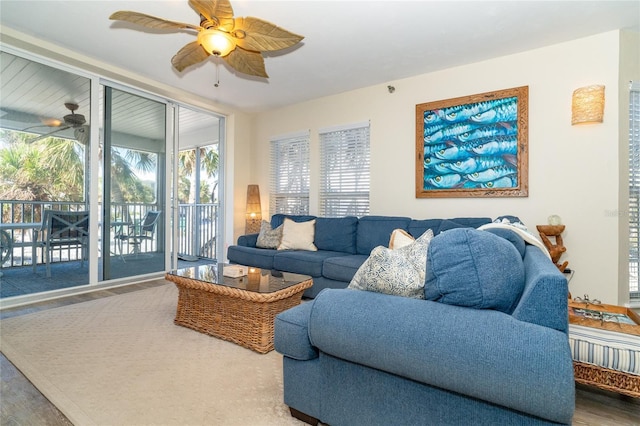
240, 310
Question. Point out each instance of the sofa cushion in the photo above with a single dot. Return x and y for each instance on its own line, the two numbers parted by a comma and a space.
336, 234
342, 268
278, 219
376, 231
398, 272
473, 268
298, 235
419, 227
251, 256
302, 261
269, 238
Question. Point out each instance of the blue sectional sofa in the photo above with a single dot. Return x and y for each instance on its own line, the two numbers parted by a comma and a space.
343, 245
354, 357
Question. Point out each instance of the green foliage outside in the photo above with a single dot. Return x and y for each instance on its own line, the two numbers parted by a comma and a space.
209, 161
54, 169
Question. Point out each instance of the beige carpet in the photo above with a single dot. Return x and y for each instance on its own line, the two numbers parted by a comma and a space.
120, 360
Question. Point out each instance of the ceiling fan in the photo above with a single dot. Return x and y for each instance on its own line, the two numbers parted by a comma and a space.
238, 41
72, 120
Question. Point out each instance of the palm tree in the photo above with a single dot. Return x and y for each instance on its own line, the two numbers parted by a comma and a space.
54, 169
48, 170
209, 159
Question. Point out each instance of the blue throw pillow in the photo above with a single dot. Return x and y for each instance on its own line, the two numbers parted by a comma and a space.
509, 235
476, 269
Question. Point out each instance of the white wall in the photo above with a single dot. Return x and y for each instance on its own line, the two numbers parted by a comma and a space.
573, 170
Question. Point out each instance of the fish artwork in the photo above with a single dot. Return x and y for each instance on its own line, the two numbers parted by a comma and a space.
492, 174
503, 182
498, 145
475, 164
471, 146
445, 181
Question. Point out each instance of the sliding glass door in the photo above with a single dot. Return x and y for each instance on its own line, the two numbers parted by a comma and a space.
73, 143
45, 122
198, 186
134, 179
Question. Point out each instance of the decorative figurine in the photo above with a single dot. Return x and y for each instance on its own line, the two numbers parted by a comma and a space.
555, 250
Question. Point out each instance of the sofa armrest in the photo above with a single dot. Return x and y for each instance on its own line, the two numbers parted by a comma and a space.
484, 354
291, 333
248, 240
544, 299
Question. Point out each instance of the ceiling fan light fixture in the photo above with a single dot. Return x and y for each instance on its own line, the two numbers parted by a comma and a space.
216, 43
52, 122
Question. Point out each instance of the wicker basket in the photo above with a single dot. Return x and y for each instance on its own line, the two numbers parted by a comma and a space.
604, 378
239, 316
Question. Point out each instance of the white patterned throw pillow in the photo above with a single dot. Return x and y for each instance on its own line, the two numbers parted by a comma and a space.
399, 272
298, 235
269, 238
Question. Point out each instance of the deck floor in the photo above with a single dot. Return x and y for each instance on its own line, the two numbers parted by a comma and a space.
23, 280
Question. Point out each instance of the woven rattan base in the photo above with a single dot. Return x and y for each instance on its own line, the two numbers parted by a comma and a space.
239, 316
604, 378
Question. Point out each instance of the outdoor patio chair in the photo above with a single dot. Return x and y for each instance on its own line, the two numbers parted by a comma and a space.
6, 246
144, 231
62, 230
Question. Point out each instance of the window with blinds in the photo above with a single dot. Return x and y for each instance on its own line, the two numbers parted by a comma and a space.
634, 188
344, 171
290, 175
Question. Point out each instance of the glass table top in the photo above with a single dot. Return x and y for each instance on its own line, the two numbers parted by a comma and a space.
257, 280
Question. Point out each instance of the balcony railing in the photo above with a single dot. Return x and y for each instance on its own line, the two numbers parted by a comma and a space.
21, 221
197, 228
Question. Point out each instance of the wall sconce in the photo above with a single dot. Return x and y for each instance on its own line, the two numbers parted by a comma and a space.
254, 210
587, 105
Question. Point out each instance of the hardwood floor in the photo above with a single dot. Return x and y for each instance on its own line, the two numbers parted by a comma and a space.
22, 404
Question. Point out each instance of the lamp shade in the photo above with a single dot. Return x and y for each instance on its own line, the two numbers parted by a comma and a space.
254, 210
216, 43
587, 105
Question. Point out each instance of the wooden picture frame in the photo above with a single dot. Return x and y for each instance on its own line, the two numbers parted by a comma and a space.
473, 146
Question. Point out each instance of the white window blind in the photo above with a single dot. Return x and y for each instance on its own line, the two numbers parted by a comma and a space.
345, 171
634, 188
290, 175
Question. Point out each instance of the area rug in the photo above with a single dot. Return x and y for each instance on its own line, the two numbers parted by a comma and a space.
120, 360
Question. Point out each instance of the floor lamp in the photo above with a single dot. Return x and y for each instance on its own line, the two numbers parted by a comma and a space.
254, 210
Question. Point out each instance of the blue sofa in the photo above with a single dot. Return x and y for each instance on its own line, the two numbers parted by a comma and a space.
343, 245
354, 357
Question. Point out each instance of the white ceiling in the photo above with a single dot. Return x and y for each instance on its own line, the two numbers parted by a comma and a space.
347, 45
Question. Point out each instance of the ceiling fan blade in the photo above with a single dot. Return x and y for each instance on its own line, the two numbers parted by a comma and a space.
217, 11
190, 54
247, 62
150, 21
46, 135
256, 34
19, 116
